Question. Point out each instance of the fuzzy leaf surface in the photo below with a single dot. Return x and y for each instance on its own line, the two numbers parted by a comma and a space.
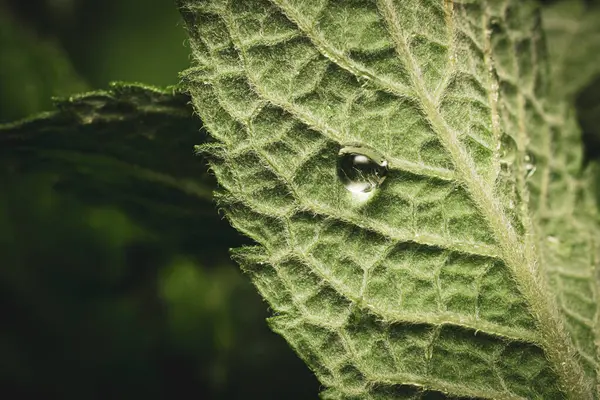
435, 285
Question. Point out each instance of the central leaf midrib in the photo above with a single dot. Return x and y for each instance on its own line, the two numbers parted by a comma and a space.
522, 261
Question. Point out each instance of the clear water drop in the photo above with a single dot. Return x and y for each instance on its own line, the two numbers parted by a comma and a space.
508, 149
361, 169
530, 166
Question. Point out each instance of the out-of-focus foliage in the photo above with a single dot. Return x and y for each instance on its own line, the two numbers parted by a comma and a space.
32, 70
126, 147
115, 280
588, 109
96, 306
574, 44
573, 36
132, 40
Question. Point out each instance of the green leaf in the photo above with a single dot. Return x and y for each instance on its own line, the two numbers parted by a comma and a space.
568, 214
573, 36
445, 280
573, 42
125, 148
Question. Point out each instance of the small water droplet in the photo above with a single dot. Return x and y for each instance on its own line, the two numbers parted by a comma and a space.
530, 166
508, 149
361, 169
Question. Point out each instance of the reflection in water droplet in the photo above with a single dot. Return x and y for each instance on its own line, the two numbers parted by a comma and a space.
508, 149
360, 169
530, 166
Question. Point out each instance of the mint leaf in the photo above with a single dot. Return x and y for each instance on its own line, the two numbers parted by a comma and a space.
567, 205
442, 282
573, 43
125, 148
573, 35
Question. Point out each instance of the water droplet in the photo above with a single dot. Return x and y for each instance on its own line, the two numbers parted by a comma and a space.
361, 169
530, 166
508, 149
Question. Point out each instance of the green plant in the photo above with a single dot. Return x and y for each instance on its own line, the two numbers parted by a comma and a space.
471, 271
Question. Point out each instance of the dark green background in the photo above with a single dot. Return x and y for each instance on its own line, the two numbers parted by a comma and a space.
100, 296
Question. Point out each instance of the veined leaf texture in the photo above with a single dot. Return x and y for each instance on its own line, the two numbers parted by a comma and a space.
471, 271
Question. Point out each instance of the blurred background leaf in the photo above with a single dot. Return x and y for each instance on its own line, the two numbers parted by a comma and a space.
115, 278
573, 35
33, 69
131, 147
572, 30
130, 40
